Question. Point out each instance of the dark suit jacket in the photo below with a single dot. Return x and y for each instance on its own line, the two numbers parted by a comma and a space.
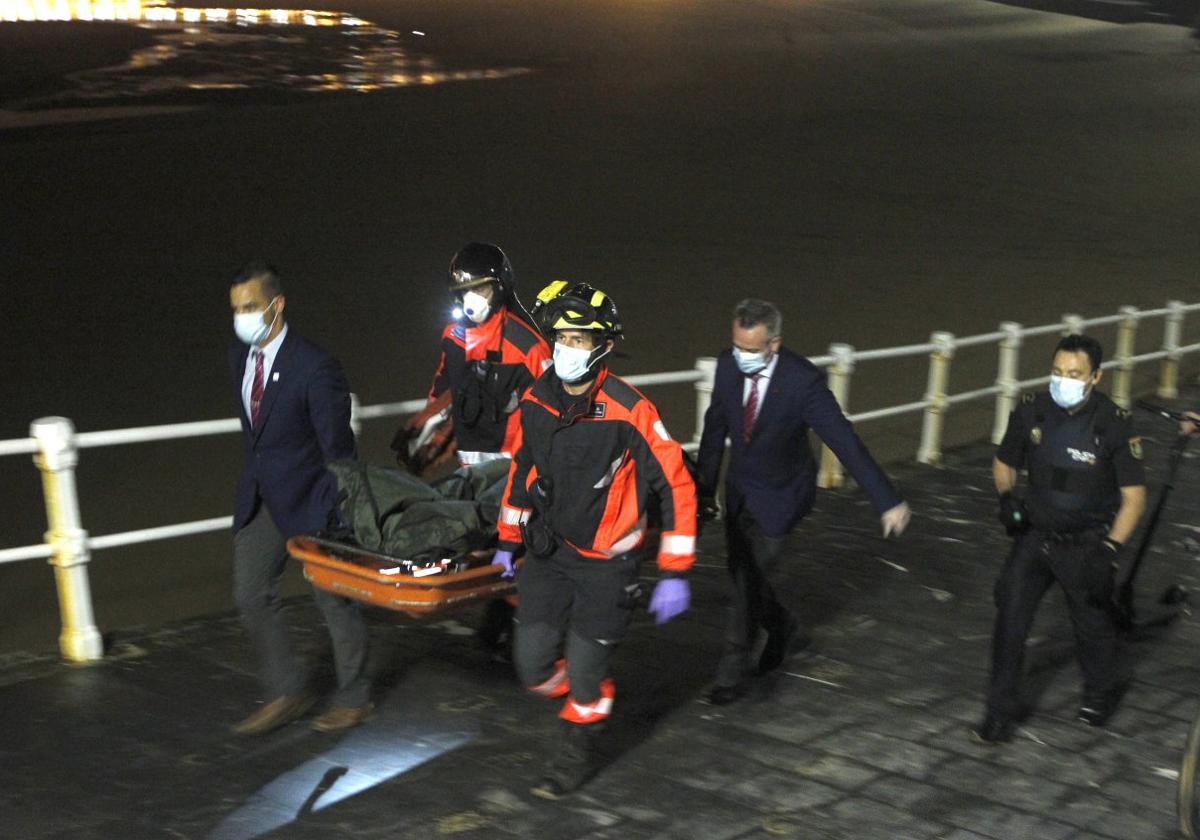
774, 475
303, 424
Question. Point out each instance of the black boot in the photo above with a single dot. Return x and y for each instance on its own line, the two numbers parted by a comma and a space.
574, 760
1096, 709
495, 631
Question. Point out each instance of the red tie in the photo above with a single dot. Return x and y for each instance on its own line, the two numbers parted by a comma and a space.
750, 409
256, 390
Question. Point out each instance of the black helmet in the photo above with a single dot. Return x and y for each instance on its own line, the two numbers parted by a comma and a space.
578, 306
479, 263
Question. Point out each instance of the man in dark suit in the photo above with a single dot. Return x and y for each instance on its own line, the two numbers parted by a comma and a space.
295, 411
765, 399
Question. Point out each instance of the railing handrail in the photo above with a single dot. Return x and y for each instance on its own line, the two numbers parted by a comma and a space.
201, 428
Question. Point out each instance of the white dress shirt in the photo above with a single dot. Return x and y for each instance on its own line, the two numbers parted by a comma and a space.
269, 351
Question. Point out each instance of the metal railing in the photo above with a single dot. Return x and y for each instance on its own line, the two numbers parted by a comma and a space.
55, 444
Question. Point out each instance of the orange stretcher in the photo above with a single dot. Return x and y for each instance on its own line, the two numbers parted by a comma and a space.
419, 589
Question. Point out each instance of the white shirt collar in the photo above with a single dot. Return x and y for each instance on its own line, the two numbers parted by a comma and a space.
769, 370
271, 349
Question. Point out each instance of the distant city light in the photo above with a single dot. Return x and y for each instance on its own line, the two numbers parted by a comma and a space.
375, 59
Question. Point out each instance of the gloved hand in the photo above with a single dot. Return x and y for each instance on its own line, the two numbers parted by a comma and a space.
1012, 514
671, 597
505, 559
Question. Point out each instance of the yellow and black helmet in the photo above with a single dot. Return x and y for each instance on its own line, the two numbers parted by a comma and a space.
563, 305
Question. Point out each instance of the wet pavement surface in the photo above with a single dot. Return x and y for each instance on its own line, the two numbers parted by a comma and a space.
863, 735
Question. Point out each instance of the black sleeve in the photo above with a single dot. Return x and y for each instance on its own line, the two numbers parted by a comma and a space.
1012, 448
1125, 449
712, 445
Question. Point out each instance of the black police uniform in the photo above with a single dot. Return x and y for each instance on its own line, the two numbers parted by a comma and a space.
1077, 462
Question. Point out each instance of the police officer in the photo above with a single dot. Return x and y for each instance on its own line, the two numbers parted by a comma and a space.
593, 456
491, 352
1086, 493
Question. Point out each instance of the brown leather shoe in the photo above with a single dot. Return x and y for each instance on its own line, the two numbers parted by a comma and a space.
342, 717
275, 714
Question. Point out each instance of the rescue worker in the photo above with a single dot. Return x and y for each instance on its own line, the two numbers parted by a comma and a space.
491, 352
593, 457
1086, 493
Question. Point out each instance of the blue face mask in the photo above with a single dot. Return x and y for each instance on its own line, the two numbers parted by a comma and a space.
250, 326
573, 364
751, 363
1067, 393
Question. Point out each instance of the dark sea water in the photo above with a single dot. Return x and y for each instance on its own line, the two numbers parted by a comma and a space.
878, 170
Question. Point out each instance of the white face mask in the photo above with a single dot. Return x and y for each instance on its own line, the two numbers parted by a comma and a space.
250, 327
750, 363
476, 307
1067, 393
572, 364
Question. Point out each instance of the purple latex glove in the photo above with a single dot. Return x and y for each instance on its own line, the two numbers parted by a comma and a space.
505, 559
671, 597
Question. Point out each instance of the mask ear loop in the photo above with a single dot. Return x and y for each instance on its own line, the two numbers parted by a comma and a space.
274, 318
592, 362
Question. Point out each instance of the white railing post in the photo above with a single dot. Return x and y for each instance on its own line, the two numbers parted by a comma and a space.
1168, 375
840, 371
355, 420
1072, 324
57, 456
1007, 378
930, 450
707, 368
1126, 338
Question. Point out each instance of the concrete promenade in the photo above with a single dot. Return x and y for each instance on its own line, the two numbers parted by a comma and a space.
862, 736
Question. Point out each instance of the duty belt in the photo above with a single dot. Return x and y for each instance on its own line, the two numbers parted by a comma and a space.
1071, 537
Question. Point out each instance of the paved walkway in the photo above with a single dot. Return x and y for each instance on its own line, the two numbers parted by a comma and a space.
863, 736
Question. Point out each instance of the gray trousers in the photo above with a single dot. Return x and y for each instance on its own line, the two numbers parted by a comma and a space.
259, 557
752, 557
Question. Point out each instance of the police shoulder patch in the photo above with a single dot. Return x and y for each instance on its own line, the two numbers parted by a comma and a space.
1135, 447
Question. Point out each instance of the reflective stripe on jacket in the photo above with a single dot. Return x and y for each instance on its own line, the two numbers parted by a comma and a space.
604, 463
487, 367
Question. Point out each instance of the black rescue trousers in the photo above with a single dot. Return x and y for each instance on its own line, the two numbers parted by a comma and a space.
574, 604
1036, 561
